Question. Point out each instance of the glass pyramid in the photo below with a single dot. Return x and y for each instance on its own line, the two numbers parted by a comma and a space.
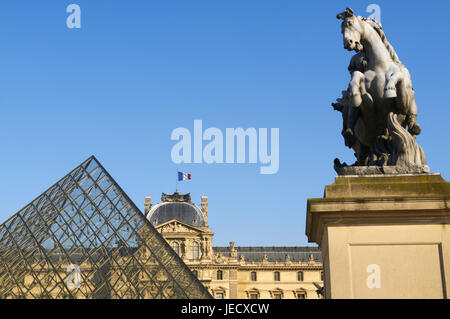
84, 238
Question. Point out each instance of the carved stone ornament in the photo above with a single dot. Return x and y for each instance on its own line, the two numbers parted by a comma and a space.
176, 197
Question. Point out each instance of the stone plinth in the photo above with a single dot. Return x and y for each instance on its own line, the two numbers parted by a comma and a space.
383, 236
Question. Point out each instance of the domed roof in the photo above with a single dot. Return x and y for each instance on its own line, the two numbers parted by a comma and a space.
177, 207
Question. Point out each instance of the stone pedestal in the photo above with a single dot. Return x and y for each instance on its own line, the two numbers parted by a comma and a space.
383, 236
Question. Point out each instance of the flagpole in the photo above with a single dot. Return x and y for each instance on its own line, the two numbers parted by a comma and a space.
176, 185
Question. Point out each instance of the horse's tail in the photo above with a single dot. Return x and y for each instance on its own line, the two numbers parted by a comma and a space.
406, 151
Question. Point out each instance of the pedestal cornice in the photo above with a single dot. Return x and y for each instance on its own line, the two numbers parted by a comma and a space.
412, 199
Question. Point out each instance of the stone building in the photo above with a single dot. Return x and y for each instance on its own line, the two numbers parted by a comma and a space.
234, 272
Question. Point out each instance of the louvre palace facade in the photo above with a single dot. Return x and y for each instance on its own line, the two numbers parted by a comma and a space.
234, 272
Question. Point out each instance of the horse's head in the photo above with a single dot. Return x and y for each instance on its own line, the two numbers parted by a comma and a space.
351, 29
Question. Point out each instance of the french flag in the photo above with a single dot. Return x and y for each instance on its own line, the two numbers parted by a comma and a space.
183, 176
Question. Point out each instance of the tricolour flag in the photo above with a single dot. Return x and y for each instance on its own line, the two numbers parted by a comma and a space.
183, 176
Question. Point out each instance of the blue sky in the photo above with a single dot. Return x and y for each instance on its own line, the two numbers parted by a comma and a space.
136, 70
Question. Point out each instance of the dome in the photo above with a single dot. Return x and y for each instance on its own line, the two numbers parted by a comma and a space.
182, 210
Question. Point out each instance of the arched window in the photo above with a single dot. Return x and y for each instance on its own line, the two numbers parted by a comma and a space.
253, 276
176, 247
195, 250
321, 275
195, 272
219, 275
276, 276
300, 276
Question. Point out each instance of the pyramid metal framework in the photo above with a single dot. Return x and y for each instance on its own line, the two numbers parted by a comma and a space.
84, 238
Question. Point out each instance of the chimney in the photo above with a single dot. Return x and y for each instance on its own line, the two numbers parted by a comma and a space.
148, 204
205, 208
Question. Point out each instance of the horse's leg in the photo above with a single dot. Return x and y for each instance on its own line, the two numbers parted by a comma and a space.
411, 118
354, 88
363, 155
406, 105
390, 90
354, 112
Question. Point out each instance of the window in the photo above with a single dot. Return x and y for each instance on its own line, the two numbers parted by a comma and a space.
300, 276
321, 275
277, 295
219, 295
300, 295
219, 275
176, 247
253, 293
253, 276
195, 272
195, 250
276, 276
